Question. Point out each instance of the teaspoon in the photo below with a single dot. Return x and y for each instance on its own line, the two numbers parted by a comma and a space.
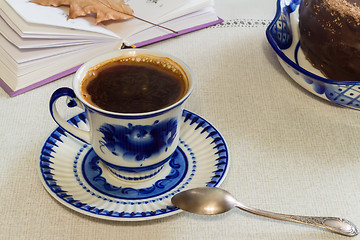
212, 200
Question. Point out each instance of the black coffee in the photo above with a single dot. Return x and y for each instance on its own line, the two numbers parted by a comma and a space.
134, 86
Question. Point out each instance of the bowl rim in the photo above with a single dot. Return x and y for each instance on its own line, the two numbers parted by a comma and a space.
281, 54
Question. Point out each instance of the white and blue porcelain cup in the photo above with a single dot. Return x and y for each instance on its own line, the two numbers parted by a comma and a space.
134, 146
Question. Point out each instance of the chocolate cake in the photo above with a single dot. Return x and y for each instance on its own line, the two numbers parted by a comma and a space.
330, 37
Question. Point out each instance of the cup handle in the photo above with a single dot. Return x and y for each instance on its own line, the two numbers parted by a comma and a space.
72, 101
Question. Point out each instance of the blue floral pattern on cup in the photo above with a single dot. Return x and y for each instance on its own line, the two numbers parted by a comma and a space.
138, 142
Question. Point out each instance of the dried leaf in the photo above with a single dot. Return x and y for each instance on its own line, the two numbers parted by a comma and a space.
104, 9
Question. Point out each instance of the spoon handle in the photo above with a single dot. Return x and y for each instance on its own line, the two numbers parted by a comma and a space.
334, 224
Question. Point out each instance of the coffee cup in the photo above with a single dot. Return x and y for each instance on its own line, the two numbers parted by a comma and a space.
133, 101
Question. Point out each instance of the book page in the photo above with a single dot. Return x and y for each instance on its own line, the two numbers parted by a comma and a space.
24, 55
31, 73
173, 9
150, 10
27, 43
55, 16
181, 25
29, 30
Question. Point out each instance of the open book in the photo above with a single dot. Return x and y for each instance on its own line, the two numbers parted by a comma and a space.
38, 44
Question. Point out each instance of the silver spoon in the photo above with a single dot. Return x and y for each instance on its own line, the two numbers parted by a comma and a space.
211, 200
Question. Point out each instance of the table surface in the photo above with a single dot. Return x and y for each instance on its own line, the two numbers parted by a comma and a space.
291, 152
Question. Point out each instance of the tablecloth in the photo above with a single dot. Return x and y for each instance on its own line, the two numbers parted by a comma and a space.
290, 151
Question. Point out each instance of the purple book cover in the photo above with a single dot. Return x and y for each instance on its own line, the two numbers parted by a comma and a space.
12, 93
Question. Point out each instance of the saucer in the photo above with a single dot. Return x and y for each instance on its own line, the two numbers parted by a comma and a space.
73, 174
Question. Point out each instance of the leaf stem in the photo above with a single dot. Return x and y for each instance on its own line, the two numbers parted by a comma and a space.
156, 25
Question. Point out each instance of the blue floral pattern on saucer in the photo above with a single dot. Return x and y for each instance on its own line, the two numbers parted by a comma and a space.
73, 174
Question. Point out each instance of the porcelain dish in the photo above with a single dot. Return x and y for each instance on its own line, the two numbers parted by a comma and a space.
283, 36
73, 174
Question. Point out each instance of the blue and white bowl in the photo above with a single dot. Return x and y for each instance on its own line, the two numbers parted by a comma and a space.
283, 36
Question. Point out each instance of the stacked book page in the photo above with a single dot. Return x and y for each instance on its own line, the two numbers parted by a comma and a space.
39, 44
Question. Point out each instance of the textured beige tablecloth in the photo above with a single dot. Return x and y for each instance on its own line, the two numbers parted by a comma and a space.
291, 152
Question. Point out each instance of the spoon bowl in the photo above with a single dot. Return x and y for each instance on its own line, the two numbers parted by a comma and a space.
211, 200
205, 201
